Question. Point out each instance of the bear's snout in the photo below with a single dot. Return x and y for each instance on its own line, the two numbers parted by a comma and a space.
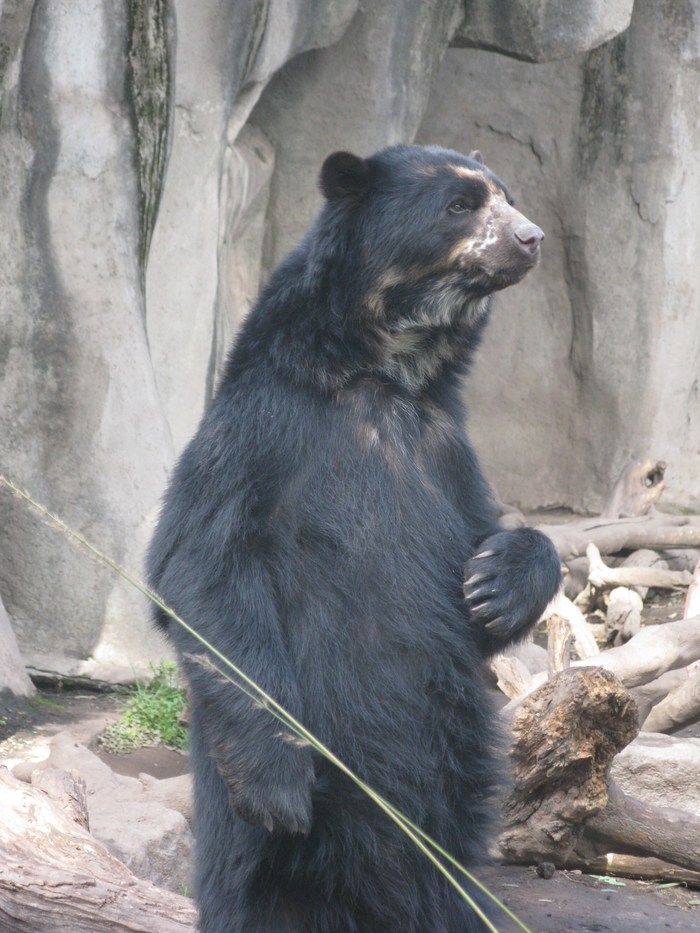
529, 236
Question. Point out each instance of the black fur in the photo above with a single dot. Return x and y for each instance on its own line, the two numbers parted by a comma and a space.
316, 531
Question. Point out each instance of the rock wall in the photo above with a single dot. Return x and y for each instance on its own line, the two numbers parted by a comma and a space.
594, 361
157, 157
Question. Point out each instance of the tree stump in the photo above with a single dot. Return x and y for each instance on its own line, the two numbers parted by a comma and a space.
565, 736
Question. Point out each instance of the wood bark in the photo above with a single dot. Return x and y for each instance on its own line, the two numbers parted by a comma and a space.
652, 652
680, 706
560, 639
601, 576
511, 674
67, 789
612, 535
565, 736
637, 489
55, 876
563, 805
633, 827
635, 866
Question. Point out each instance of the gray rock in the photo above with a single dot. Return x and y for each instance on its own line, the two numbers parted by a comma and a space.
368, 90
13, 676
573, 380
153, 840
661, 770
57, 667
542, 30
226, 54
150, 177
80, 417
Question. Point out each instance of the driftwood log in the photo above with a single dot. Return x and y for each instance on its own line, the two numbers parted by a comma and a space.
55, 876
563, 806
652, 652
679, 706
648, 695
601, 576
633, 866
643, 659
583, 640
613, 535
637, 490
560, 639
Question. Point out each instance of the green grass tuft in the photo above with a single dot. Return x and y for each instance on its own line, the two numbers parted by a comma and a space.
151, 716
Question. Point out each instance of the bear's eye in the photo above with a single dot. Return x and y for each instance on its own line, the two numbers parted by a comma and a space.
458, 206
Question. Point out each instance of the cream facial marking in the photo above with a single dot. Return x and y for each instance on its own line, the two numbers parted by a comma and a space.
501, 217
463, 172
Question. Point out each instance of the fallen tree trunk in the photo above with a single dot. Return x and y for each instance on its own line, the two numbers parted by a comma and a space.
649, 694
612, 535
55, 876
632, 827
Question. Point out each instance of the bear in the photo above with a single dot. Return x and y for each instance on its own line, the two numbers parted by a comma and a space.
330, 531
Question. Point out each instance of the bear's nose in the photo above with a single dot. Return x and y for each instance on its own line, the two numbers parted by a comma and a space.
530, 236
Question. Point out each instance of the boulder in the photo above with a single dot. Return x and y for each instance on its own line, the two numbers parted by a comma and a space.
82, 423
599, 150
661, 770
156, 159
542, 30
149, 836
13, 676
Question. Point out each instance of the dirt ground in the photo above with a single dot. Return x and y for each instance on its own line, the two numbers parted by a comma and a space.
569, 902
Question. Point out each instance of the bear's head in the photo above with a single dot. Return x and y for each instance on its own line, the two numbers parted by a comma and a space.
424, 235
431, 209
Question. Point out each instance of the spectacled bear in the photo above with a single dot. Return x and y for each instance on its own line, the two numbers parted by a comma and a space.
316, 531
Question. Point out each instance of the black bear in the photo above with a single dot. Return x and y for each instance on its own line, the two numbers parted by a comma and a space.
316, 531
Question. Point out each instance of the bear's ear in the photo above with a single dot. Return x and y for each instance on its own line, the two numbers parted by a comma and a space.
476, 156
344, 175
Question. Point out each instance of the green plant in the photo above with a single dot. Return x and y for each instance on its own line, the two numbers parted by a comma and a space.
151, 715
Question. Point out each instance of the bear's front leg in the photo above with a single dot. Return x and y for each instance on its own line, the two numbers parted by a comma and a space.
508, 583
269, 777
